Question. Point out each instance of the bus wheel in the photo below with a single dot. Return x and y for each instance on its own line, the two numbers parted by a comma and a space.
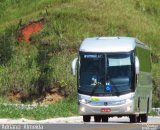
97, 118
138, 119
144, 117
86, 118
104, 118
133, 118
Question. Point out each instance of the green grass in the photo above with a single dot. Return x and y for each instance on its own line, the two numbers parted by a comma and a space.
64, 108
153, 113
31, 67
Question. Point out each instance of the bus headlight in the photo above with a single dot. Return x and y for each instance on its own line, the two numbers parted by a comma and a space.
84, 101
82, 109
128, 108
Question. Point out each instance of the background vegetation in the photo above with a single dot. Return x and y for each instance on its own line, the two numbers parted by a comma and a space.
44, 64
63, 108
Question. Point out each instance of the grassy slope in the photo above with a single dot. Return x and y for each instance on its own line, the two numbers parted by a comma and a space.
64, 108
67, 23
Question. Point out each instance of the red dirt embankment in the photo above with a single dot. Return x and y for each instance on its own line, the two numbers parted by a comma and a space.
27, 30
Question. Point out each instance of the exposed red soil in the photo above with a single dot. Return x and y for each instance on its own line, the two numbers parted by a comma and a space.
50, 98
27, 30
14, 96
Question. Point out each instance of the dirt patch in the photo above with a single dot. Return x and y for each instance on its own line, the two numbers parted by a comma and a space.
50, 98
25, 32
14, 96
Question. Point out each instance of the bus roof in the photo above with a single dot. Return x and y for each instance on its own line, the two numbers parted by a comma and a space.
110, 44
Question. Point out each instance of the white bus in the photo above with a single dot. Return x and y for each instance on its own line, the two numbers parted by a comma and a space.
113, 79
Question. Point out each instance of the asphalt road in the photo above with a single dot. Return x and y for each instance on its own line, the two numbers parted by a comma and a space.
113, 124
101, 127
76, 123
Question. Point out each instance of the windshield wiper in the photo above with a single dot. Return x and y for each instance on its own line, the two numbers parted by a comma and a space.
95, 87
99, 84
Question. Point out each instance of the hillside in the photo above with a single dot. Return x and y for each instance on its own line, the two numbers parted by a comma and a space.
31, 70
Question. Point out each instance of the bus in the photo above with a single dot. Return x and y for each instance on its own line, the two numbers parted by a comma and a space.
113, 79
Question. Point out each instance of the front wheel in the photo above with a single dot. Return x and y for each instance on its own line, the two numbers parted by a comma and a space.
144, 117
138, 119
97, 118
104, 118
86, 118
133, 119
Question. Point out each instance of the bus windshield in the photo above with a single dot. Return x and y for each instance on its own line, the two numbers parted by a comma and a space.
105, 74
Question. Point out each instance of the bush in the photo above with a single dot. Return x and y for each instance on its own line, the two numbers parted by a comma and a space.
6, 44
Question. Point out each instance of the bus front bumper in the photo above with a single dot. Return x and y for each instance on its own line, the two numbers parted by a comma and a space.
122, 109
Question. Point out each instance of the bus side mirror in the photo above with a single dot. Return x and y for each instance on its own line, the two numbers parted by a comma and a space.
73, 67
137, 65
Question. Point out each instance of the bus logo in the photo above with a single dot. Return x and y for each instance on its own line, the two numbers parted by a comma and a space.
105, 103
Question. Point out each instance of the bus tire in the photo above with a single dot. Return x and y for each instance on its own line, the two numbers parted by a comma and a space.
97, 118
148, 106
86, 118
138, 119
133, 119
104, 118
144, 117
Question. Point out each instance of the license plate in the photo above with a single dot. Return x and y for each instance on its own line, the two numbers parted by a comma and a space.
105, 109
